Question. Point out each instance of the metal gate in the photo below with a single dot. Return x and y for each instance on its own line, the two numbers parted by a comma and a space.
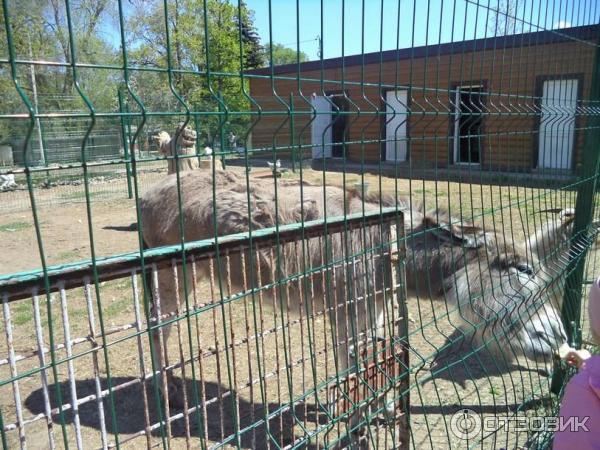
246, 374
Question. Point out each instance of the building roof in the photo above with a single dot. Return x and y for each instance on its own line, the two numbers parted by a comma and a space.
581, 33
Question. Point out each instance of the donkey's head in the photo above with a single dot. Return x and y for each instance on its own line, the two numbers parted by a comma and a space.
499, 289
504, 297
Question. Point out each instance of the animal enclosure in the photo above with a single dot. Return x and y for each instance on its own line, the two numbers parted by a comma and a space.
378, 238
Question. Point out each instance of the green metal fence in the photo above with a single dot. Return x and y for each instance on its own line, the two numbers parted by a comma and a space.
65, 147
400, 274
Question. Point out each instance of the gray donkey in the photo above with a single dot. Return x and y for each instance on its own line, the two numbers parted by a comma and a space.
498, 289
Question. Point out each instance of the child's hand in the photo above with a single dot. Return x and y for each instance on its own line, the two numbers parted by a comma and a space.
572, 356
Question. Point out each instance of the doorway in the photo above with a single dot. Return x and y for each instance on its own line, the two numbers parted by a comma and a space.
320, 128
396, 118
468, 124
339, 127
329, 128
557, 124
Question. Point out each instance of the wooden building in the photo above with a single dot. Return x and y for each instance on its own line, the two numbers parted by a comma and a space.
511, 103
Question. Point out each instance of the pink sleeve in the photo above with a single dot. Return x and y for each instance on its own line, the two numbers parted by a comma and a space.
579, 401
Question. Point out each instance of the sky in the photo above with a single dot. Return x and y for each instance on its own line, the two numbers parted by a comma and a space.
459, 20
435, 21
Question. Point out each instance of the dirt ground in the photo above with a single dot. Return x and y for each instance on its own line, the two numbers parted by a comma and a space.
65, 235
241, 376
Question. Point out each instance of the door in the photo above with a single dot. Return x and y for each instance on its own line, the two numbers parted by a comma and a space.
339, 126
321, 130
468, 124
396, 118
557, 124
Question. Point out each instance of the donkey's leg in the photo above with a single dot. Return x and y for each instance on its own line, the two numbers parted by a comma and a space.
168, 291
347, 319
366, 323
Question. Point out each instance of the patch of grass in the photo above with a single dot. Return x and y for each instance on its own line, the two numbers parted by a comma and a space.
116, 307
120, 284
124, 283
495, 391
68, 255
79, 195
41, 176
21, 313
79, 313
440, 192
14, 226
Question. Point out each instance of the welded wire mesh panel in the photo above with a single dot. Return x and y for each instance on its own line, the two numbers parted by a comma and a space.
268, 224
231, 368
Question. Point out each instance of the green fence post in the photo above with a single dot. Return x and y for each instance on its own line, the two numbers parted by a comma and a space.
584, 212
222, 141
125, 138
292, 140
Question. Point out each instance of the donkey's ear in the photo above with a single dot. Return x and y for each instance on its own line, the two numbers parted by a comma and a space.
565, 215
550, 210
472, 236
467, 236
470, 229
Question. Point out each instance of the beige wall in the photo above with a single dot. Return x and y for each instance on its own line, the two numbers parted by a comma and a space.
510, 129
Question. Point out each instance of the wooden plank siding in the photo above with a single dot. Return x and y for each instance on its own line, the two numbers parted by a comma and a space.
511, 77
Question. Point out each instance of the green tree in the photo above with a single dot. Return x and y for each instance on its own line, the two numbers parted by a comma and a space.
40, 32
188, 52
253, 50
283, 55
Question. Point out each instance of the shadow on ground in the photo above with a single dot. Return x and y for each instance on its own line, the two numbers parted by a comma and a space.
459, 361
220, 424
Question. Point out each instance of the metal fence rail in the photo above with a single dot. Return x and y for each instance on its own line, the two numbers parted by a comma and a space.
222, 232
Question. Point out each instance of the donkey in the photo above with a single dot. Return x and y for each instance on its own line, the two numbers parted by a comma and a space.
231, 213
497, 288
